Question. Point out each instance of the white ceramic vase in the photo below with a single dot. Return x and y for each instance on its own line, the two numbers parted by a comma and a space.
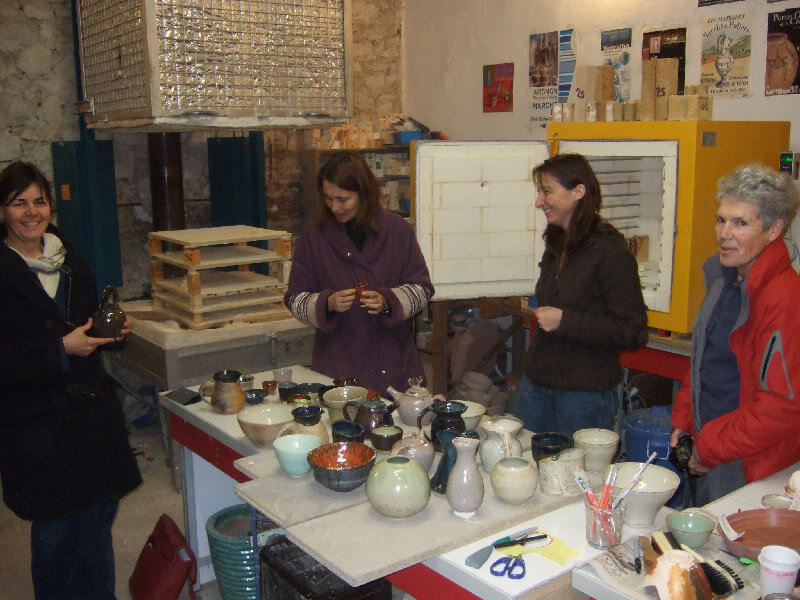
501, 440
465, 483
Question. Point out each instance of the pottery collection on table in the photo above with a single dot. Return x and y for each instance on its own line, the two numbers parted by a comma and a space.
398, 485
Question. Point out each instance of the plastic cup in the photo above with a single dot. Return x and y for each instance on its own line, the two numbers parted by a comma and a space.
604, 525
779, 566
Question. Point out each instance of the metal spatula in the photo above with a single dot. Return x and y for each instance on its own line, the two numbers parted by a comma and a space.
478, 558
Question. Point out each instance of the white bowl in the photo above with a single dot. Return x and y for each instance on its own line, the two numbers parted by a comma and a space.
599, 446
474, 413
654, 489
261, 422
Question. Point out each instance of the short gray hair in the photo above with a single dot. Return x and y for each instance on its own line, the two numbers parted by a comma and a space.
774, 194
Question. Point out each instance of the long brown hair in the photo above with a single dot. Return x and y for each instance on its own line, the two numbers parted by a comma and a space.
349, 171
571, 170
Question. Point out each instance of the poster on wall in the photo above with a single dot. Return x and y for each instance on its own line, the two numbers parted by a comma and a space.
543, 75
783, 39
498, 87
667, 43
551, 68
725, 55
702, 3
615, 46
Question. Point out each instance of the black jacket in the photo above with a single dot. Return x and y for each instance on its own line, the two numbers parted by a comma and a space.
604, 313
63, 440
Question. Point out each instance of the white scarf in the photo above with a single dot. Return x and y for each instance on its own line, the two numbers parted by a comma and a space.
47, 267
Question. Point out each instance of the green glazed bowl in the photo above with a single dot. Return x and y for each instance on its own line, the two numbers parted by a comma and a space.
690, 527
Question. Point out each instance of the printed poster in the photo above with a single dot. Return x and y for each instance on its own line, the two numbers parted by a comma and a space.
702, 3
667, 43
551, 66
615, 46
498, 88
725, 55
783, 41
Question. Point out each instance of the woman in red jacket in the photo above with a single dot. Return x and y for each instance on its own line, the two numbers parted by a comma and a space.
740, 400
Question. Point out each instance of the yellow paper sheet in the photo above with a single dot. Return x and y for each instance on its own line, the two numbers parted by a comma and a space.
556, 550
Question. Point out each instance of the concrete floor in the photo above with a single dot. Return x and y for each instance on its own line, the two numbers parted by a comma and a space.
137, 515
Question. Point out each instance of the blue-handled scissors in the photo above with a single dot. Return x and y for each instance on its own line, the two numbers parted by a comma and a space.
511, 566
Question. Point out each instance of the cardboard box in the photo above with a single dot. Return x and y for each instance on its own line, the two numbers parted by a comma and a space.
647, 104
594, 83
666, 86
676, 108
630, 110
699, 108
580, 111
613, 110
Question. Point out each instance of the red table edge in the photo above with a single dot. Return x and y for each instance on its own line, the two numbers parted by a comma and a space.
656, 362
423, 582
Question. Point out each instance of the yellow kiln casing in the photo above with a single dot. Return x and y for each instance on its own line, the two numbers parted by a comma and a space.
707, 150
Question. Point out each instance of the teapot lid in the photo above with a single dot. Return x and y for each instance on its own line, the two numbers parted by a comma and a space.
416, 388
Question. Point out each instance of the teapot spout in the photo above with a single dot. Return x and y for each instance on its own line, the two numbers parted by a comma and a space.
394, 393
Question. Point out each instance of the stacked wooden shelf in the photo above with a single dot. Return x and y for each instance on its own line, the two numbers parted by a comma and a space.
208, 295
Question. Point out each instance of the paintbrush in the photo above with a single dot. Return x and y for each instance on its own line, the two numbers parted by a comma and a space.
634, 481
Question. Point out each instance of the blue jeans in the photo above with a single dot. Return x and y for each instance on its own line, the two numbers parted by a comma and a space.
564, 411
73, 558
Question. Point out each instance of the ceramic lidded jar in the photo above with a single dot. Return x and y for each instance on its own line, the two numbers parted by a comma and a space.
465, 483
398, 487
514, 479
417, 447
501, 440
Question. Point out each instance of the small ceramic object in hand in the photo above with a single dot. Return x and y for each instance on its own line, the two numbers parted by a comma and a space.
361, 287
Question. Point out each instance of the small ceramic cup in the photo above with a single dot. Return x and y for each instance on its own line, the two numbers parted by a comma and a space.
291, 451
282, 374
270, 386
347, 431
286, 389
384, 437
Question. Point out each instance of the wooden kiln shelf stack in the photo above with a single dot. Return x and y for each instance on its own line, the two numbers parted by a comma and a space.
208, 296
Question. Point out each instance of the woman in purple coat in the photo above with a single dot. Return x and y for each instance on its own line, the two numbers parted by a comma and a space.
356, 240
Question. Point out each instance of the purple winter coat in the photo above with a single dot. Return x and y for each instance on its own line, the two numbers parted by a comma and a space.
377, 349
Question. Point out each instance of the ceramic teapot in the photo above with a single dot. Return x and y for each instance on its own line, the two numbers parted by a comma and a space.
108, 321
415, 399
447, 417
370, 414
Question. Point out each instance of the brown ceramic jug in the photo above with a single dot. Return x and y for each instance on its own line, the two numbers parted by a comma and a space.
228, 397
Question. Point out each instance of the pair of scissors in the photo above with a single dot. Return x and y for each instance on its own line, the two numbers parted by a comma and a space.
511, 566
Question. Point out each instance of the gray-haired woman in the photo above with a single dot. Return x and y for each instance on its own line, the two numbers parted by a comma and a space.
740, 400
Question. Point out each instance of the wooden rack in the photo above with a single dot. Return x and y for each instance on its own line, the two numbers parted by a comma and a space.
207, 295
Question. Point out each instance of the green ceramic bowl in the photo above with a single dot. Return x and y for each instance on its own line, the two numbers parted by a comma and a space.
690, 527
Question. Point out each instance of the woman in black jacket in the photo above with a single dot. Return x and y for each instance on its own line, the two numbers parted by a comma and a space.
65, 459
590, 306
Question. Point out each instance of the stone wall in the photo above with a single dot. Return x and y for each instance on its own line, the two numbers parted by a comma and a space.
37, 76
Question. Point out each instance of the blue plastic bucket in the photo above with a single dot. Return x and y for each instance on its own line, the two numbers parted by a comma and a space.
647, 430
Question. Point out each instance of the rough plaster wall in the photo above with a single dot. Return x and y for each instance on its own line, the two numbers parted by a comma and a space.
37, 76
37, 79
